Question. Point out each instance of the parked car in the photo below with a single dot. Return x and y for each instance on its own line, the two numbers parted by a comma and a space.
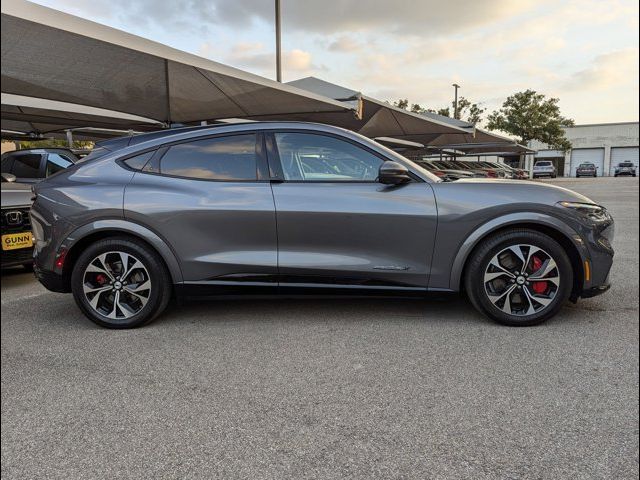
586, 170
441, 171
33, 165
17, 240
544, 168
625, 168
458, 167
517, 173
289, 207
491, 171
504, 171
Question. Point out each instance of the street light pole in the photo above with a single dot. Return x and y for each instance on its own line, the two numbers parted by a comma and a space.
455, 101
278, 46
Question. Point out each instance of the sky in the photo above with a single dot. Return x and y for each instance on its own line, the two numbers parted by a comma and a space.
584, 52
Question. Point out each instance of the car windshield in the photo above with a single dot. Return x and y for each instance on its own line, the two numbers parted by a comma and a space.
587, 165
626, 164
543, 164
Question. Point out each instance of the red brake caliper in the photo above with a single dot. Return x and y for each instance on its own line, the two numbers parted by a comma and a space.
101, 279
538, 287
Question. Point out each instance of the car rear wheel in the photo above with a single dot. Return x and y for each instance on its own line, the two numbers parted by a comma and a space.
120, 283
519, 277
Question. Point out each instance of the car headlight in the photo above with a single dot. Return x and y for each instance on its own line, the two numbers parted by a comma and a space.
589, 210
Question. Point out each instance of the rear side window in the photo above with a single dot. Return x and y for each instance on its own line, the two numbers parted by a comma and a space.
27, 166
139, 161
56, 163
231, 158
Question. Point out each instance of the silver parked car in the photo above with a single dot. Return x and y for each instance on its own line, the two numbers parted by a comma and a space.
544, 168
625, 168
288, 207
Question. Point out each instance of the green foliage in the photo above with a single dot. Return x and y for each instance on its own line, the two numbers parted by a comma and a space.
530, 116
54, 143
401, 103
467, 111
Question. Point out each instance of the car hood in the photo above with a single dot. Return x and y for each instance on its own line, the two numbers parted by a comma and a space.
15, 194
521, 189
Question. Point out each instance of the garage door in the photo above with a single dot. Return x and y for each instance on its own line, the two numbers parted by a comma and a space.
587, 155
623, 154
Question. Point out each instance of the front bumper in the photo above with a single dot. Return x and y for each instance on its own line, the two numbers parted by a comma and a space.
595, 291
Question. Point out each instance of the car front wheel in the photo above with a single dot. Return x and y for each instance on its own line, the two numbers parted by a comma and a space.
519, 277
120, 283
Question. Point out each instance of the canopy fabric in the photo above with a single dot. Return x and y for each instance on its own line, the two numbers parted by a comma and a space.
53, 55
39, 117
380, 119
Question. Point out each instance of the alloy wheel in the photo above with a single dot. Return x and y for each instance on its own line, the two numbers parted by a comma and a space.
116, 285
522, 280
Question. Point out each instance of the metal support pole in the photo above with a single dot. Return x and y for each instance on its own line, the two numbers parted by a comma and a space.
455, 101
70, 138
278, 44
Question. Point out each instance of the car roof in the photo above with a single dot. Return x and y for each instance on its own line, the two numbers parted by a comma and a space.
121, 142
40, 151
183, 133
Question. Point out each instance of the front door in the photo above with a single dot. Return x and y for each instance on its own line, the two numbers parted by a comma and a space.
337, 226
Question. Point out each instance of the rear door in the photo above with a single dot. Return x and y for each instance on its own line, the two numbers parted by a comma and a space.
339, 227
210, 199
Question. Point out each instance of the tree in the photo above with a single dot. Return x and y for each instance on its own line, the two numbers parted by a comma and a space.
55, 143
401, 103
470, 112
530, 116
467, 111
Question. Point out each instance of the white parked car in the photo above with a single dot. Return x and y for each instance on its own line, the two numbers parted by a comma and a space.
544, 168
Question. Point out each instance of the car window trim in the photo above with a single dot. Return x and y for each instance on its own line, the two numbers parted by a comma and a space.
275, 165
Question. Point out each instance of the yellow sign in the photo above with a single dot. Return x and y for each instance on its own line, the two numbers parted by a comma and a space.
13, 241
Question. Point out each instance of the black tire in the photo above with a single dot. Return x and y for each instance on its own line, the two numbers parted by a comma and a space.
159, 293
482, 255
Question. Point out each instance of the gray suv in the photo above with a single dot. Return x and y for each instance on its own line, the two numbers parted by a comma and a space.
298, 208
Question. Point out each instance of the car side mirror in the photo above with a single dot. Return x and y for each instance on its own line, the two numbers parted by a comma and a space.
393, 173
8, 177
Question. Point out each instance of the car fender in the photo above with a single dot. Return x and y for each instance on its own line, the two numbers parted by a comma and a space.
133, 229
504, 221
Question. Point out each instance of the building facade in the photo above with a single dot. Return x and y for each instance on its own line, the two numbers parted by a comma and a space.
605, 145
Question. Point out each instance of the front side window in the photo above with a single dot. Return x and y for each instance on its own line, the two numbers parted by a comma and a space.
56, 163
230, 158
27, 166
310, 157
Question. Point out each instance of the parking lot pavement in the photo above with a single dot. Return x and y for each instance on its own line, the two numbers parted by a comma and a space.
327, 388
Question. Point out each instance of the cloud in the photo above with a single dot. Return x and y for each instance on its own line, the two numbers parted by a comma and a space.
256, 57
344, 44
405, 17
606, 71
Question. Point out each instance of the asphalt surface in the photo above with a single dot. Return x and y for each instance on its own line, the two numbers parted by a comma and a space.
327, 388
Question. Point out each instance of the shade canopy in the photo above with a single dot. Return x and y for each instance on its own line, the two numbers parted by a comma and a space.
378, 118
35, 117
52, 55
